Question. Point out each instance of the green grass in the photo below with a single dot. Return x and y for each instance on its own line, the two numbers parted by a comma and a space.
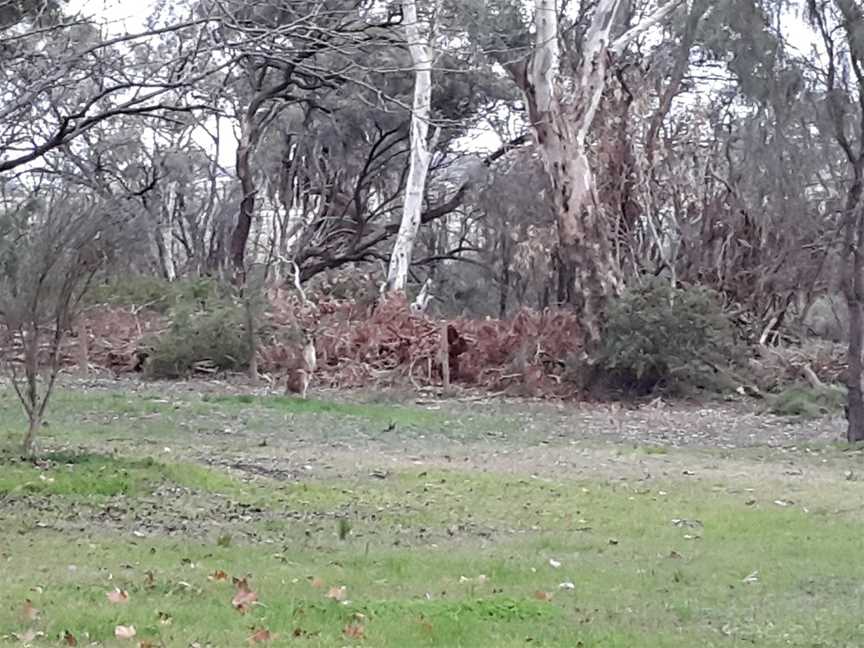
89, 475
84, 417
640, 578
429, 556
384, 414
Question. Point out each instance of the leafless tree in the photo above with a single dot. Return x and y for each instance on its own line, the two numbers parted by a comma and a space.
54, 240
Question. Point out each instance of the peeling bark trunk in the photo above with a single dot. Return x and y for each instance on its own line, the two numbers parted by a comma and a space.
561, 121
561, 116
421, 151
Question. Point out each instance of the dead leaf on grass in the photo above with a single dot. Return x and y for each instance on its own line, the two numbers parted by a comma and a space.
164, 618
118, 596
317, 582
260, 636
354, 631
540, 595
751, 578
28, 611
218, 575
337, 593
69, 639
244, 597
125, 632
29, 636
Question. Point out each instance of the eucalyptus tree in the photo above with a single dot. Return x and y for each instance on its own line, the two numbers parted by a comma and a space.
61, 75
419, 37
838, 75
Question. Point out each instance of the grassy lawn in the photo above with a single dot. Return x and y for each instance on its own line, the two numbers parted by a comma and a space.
468, 554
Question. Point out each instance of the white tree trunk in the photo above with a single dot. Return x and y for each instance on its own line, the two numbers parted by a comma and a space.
421, 150
561, 114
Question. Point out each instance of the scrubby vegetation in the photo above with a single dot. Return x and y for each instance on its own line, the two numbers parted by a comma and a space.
201, 340
658, 336
807, 401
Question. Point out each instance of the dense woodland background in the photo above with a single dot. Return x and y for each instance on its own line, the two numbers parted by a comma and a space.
605, 194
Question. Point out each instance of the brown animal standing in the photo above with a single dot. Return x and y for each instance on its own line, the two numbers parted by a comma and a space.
300, 364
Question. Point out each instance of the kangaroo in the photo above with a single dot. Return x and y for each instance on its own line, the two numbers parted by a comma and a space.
300, 365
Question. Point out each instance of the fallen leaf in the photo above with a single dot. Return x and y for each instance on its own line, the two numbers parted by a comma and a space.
243, 600
146, 643
218, 575
567, 585
28, 612
69, 639
781, 502
542, 596
318, 582
124, 632
149, 580
27, 637
554, 563
354, 631
164, 618
118, 596
751, 578
260, 636
337, 593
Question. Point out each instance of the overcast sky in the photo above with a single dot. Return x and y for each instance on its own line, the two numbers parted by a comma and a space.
130, 16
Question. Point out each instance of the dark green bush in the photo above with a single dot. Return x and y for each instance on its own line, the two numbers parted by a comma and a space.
808, 402
659, 337
156, 293
212, 339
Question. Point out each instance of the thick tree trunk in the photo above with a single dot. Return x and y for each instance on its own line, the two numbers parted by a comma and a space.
421, 151
561, 114
561, 125
854, 292
240, 235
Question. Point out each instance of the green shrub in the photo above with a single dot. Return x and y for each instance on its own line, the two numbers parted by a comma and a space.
808, 402
657, 336
211, 339
157, 293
